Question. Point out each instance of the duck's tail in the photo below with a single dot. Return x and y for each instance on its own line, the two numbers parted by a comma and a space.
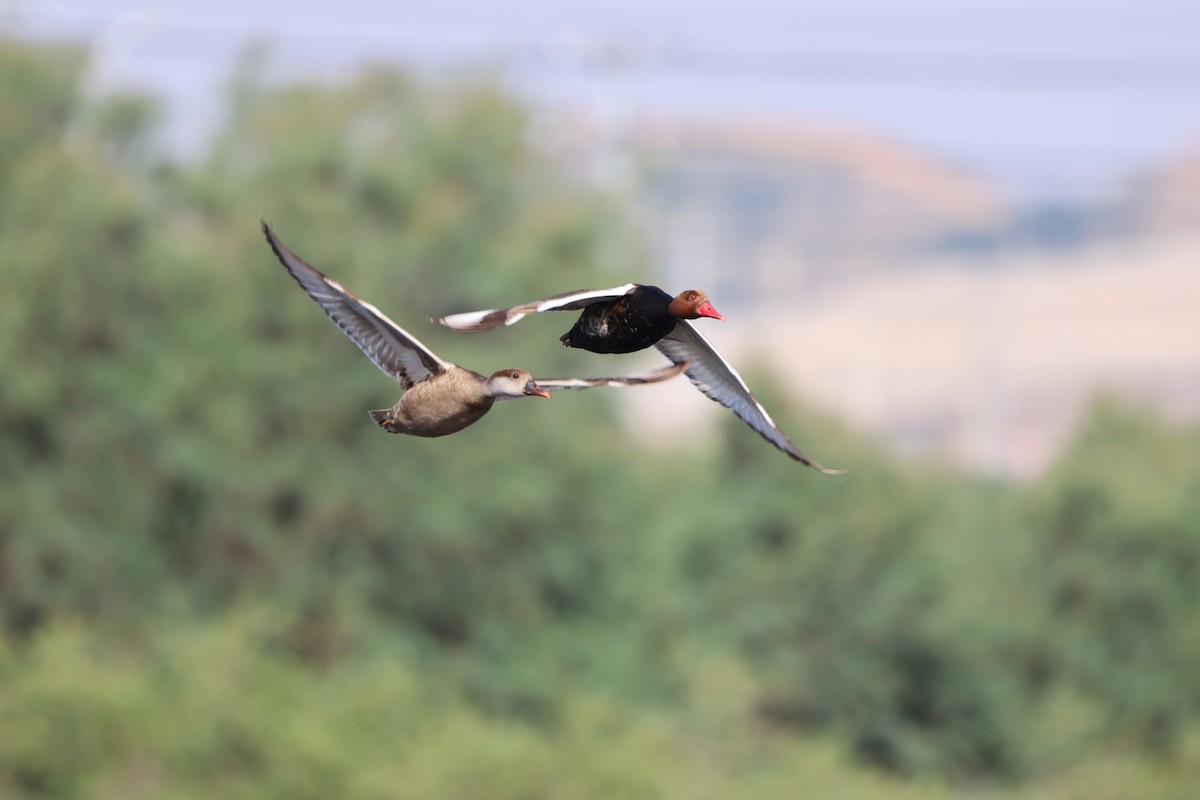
384, 419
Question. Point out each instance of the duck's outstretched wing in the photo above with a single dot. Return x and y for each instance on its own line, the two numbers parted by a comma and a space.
396, 352
472, 321
657, 376
714, 376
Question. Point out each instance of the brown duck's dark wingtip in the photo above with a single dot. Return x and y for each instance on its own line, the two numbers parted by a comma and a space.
269, 233
277, 247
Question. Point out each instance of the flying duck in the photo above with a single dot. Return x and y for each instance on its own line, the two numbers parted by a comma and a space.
440, 398
632, 317
621, 320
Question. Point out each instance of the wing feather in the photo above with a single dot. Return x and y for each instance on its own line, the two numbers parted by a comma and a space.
656, 376
473, 321
397, 353
719, 381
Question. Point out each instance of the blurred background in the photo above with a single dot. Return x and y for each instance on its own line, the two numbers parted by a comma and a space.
958, 248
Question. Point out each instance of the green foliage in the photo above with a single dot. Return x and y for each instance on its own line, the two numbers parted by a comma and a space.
217, 578
37, 98
226, 709
1122, 551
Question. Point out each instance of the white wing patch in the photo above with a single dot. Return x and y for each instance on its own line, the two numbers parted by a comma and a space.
474, 321
573, 301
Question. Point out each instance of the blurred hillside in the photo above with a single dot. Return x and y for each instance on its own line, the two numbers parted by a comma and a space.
763, 208
1164, 202
218, 578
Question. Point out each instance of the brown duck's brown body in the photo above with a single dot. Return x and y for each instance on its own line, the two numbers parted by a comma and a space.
441, 405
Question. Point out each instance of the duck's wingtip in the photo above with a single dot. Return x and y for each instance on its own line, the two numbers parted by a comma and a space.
808, 462
268, 232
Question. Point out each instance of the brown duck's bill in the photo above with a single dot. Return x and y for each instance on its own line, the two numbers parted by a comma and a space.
532, 388
706, 310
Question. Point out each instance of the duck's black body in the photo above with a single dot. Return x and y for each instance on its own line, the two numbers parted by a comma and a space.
629, 323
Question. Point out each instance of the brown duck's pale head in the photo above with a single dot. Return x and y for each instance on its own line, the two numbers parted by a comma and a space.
509, 383
692, 304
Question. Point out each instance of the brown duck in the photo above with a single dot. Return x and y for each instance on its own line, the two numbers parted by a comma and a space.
634, 316
440, 397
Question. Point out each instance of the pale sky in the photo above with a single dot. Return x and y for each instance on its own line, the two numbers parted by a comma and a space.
1046, 99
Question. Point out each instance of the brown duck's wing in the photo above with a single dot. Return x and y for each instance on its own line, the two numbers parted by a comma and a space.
657, 376
397, 353
713, 376
472, 321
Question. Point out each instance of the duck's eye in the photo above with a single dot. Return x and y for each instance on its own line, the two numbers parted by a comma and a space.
514, 376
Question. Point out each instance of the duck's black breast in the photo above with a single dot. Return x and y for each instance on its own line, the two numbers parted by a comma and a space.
630, 323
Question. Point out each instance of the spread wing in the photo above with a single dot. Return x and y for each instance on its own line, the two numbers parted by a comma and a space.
657, 376
472, 321
389, 346
712, 375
